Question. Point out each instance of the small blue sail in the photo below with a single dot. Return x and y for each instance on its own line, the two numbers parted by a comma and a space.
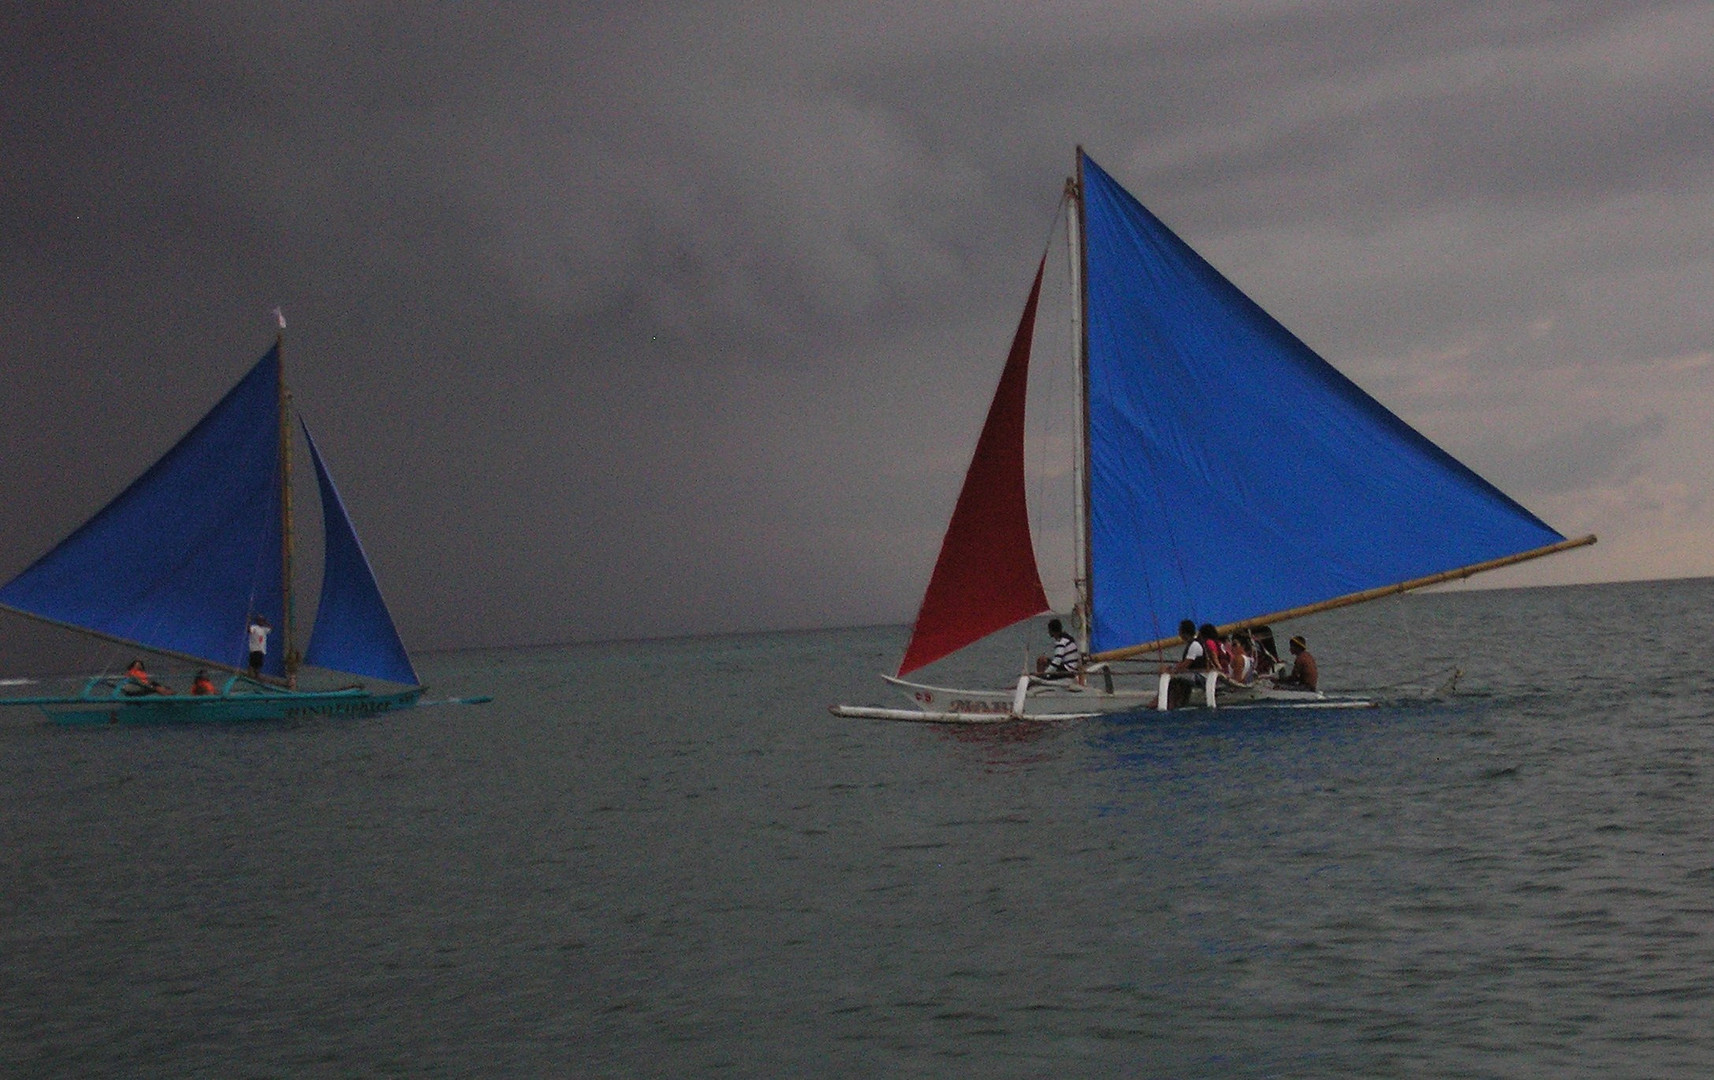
1233, 472
353, 631
182, 558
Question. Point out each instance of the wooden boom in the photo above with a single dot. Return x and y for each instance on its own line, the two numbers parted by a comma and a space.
155, 650
1356, 597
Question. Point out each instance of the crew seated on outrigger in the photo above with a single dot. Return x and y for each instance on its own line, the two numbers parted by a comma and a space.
1241, 658
138, 682
1266, 652
1200, 648
1250, 656
1067, 659
1304, 675
1240, 663
1194, 665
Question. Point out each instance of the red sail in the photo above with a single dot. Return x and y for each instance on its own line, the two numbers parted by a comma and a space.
986, 578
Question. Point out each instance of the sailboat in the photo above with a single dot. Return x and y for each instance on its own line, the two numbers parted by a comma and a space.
183, 560
1223, 473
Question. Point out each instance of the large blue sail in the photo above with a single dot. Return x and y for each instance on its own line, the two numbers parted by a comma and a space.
353, 631
1233, 472
182, 558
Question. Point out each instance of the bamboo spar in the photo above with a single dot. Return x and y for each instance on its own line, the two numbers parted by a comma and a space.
1357, 597
156, 650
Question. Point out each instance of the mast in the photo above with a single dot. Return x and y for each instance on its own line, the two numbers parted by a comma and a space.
1078, 258
290, 654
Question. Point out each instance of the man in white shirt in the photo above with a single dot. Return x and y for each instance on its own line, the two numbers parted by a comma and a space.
258, 645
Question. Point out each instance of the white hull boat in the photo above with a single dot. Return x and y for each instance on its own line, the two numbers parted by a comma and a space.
1223, 472
1048, 700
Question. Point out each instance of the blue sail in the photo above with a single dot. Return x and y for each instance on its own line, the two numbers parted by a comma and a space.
353, 631
1233, 472
182, 558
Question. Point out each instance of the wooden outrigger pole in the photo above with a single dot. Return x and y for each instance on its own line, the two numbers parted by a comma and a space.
1357, 597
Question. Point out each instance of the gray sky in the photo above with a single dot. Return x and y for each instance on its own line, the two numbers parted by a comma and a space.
635, 319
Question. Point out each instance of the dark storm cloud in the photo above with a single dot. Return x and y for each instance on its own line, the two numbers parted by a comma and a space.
624, 319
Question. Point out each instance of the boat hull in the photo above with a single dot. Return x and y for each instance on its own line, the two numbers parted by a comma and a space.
1048, 700
1044, 699
225, 708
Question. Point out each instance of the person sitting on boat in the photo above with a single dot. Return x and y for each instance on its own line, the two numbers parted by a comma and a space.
1240, 665
138, 681
1213, 646
1266, 652
1195, 657
1067, 659
202, 684
1304, 675
1188, 673
258, 645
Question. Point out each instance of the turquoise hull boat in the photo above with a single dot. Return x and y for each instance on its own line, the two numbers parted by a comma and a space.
104, 701
198, 550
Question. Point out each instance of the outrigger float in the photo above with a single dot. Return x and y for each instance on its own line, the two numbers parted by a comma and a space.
1223, 472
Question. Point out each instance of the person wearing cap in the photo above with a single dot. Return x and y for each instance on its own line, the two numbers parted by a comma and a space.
1304, 675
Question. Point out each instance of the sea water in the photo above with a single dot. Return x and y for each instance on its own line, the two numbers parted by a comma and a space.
666, 858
